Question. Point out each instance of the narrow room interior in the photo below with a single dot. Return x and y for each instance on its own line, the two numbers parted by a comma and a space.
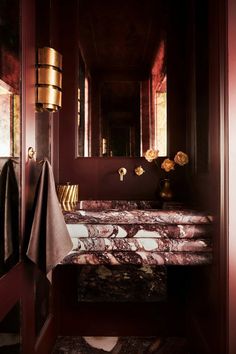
116, 124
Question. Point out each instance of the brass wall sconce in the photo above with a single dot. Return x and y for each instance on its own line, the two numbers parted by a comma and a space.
49, 80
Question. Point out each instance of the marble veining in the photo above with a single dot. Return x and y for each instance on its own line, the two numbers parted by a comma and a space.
118, 204
110, 284
139, 230
136, 232
139, 258
141, 244
151, 216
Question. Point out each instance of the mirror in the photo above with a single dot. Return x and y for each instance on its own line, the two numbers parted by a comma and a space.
120, 118
10, 123
121, 68
9, 79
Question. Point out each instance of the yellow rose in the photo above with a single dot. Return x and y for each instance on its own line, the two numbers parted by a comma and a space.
168, 165
151, 155
181, 158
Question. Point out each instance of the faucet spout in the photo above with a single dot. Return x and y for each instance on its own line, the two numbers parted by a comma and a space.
122, 172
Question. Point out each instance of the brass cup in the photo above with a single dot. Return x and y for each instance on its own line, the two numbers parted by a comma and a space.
68, 193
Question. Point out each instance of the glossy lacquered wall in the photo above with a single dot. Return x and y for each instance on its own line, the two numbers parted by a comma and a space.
232, 172
98, 178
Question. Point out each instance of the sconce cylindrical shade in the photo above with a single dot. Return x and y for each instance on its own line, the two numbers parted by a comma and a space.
49, 80
49, 56
49, 76
49, 97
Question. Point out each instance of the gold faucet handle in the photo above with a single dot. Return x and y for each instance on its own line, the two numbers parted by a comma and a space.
122, 172
139, 170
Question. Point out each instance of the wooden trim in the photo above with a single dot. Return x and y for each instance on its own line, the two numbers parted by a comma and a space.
224, 178
231, 158
47, 337
198, 338
10, 289
219, 163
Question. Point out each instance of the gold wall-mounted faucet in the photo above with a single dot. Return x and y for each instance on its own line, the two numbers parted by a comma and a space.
122, 172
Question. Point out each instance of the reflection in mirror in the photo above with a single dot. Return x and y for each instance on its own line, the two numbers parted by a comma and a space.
9, 217
120, 119
83, 124
9, 132
159, 101
9, 79
123, 53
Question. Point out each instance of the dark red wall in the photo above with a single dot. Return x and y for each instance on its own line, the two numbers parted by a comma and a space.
232, 173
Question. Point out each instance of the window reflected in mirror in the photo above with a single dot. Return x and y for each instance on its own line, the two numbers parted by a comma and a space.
159, 101
83, 124
161, 122
9, 79
10, 121
10, 132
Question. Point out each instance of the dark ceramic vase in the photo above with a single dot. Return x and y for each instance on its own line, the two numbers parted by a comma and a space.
165, 191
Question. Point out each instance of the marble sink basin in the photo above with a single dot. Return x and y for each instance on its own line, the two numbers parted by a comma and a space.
135, 232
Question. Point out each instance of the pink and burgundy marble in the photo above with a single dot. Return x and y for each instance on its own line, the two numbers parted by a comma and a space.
110, 284
152, 216
139, 231
139, 258
134, 232
118, 204
141, 244
124, 345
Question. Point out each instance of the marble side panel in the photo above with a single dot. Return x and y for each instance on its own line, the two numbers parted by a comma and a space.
139, 231
141, 244
110, 284
162, 217
140, 258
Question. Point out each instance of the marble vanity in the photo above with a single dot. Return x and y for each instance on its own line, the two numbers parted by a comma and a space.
139, 233
120, 245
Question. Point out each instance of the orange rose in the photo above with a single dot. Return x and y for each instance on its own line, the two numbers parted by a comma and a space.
151, 155
168, 165
181, 158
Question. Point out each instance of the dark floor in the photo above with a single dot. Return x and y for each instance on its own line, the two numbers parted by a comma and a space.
124, 345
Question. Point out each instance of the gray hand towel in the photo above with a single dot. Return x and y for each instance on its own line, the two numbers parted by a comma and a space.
49, 240
9, 217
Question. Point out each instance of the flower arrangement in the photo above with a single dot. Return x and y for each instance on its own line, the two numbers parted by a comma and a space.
181, 159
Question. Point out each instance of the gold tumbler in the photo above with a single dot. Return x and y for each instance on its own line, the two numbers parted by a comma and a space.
68, 193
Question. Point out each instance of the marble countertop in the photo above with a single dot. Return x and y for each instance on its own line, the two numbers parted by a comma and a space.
137, 216
106, 232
